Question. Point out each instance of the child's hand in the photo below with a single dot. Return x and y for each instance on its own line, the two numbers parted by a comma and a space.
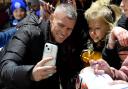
100, 67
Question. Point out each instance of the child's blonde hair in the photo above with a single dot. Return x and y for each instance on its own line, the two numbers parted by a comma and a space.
102, 9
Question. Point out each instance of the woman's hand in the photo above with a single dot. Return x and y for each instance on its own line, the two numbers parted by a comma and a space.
119, 34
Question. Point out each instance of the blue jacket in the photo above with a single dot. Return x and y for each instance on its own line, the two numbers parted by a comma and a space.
5, 36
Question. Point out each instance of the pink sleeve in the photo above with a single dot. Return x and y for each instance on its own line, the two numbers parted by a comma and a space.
122, 73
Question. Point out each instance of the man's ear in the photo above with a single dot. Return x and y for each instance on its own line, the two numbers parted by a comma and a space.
52, 16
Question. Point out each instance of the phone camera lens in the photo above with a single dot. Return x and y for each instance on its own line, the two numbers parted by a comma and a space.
48, 48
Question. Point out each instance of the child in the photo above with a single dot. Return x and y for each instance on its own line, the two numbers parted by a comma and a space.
120, 36
18, 10
101, 18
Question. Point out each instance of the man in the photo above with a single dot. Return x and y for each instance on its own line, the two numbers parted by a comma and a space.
123, 21
22, 65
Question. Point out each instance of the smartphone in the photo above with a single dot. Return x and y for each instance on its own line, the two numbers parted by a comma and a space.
50, 50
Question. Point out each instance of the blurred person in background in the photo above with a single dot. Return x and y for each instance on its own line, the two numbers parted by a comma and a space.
123, 21
4, 14
48, 6
34, 6
18, 10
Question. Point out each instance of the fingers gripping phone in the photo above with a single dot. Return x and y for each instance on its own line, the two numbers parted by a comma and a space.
50, 50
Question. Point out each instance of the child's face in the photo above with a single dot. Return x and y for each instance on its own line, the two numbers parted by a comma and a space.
19, 13
98, 29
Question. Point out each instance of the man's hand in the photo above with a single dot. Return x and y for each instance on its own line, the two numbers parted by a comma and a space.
40, 71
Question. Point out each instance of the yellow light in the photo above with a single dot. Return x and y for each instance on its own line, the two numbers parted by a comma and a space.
86, 56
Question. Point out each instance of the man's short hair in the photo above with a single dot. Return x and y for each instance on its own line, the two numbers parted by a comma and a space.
69, 10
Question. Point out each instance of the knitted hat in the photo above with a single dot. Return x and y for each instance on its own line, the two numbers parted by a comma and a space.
15, 4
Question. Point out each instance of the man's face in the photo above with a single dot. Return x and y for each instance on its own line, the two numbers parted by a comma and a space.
124, 6
61, 26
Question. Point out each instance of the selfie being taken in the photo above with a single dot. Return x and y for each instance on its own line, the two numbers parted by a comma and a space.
63, 44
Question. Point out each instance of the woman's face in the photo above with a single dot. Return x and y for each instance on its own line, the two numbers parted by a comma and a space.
98, 29
124, 6
19, 13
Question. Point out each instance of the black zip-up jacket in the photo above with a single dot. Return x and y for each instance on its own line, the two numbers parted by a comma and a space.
26, 49
123, 22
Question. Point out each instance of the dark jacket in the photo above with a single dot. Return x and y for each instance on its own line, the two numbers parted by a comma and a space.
111, 56
123, 22
26, 49
108, 55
